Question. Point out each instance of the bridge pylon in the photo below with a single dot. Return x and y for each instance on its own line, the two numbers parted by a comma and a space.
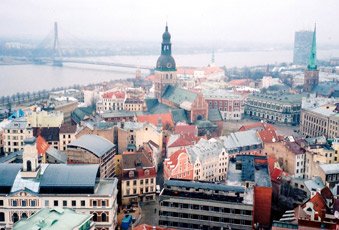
57, 56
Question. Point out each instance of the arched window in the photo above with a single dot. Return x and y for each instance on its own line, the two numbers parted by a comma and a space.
24, 216
103, 217
29, 166
2, 216
15, 217
95, 217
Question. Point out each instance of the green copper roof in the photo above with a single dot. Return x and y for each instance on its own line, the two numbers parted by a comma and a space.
57, 218
178, 95
313, 55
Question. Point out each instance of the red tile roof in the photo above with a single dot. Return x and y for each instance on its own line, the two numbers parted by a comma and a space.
276, 175
319, 204
268, 136
182, 128
258, 126
185, 140
240, 82
212, 69
174, 157
151, 78
189, 71
116, 94
166, 119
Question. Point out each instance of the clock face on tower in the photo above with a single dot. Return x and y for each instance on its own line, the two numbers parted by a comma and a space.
169, 65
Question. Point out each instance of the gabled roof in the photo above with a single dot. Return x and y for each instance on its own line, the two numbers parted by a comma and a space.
58, 155
93, 143
62, 175
165, 118
179, 115
258, 126
134, 160
174, 157
178, 95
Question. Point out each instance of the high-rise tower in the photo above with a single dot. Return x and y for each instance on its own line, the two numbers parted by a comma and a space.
165, 70
311, 77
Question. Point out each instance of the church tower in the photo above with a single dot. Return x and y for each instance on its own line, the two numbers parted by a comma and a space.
30, 161
311, 77
165, 70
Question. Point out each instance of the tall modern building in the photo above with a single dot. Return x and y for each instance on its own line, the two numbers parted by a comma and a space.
311, 78
165, 71
302, 47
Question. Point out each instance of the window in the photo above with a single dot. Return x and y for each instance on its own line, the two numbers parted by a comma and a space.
33, 203
103, 203
141, 181
152, 181
95, 217
95, 203
56, 203
103, 217
23, 203
83, 203
74, 203
14, 203
127, 183
1, 203
134, 182
64, 203
2, 217
15, 217
146, 181
46, 203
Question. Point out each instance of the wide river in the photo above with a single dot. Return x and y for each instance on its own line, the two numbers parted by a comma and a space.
24, 78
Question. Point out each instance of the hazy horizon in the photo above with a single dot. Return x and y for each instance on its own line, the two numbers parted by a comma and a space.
257, 22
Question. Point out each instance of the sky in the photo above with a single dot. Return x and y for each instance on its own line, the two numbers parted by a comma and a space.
257, 21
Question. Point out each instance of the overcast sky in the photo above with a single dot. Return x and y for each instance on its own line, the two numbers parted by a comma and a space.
272, 21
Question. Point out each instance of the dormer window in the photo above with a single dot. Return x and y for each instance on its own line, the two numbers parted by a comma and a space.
131, 174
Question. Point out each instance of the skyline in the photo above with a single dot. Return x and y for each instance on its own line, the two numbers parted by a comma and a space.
211, 22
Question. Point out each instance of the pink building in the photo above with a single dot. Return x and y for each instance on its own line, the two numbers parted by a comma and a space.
178, 166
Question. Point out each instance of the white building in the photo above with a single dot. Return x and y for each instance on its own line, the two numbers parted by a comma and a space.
14, 134
29, 186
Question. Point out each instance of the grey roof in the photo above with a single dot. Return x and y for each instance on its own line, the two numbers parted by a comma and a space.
330, 168
12, 157
205, 149
62, 175
324, 111
154, 107
8, 174
221, 94
133, 125
92, 143
178, 95
204, 185
57, 154
18, 123
241, 139
314, 184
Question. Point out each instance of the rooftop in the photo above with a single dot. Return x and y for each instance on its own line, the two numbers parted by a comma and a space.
53, 219
278, 98
241, 139
205, 149
18, 123
178, 95
330, 168
249, 168
93, 143
221, 94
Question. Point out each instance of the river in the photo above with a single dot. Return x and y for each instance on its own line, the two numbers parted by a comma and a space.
24, 78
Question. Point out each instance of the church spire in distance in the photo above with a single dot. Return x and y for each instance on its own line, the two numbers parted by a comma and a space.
312, 65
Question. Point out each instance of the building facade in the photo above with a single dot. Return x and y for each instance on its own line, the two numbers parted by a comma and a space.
302, 47
30, 186
204, 205
274, 108
113, 101
322, 120
138, 178
14, 134
230, 105
92, 149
